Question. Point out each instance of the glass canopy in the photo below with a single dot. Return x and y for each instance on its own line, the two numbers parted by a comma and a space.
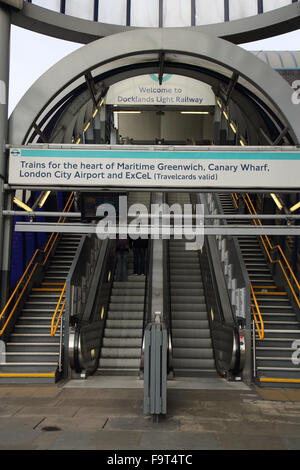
162, 13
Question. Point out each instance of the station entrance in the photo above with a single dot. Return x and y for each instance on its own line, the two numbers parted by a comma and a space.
227, 307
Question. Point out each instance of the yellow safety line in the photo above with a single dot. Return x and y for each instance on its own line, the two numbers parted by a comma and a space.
52, 283
27, 375
270, 293
45, 289
268, 379
265, 287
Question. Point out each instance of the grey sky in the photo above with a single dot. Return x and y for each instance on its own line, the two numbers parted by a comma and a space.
33, 54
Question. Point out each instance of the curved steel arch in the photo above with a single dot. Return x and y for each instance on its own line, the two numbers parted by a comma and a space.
133, 48
60, 132
41, 20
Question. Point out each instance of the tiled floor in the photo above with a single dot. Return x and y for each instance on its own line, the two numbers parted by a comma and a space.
74, 416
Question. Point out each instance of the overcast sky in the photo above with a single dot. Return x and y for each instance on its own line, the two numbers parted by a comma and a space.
33, 54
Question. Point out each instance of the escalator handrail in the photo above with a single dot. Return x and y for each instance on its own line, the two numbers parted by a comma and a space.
167, 303
147, 300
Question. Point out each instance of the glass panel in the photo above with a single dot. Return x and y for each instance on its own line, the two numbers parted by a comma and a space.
115, 15
50, 4
177, 13
273, 4
145, 13
209, 13
238, 9
80, 8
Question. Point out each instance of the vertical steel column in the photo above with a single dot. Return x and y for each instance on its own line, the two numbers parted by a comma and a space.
103, 119
4, 83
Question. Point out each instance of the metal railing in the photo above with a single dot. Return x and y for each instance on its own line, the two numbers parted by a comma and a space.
32, 273
257, 316
268, 246
58, 311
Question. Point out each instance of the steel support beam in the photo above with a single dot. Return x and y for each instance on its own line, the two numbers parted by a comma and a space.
134, 49
4, 83
234, 230
42, 20
76, 215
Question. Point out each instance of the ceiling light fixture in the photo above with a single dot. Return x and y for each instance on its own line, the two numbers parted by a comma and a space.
128, 112
22, 205
277, 201
43, 198
194, 112
295, 207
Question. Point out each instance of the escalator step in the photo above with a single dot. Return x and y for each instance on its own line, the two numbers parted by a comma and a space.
121, 342
193, 353
197, 363
119, 363
200, 343
121, 353
188, 324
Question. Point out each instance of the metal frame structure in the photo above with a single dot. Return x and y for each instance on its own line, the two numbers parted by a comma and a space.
64, 97
190, 53
261, 26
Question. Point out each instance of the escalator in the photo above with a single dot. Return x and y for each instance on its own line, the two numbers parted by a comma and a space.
192, 347
123, 333
122, 340
273, 355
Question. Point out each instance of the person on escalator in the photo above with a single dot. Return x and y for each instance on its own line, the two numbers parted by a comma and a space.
139, 246
122, 250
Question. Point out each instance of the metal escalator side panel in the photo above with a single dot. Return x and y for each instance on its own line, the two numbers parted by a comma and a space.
84, 322
228, 298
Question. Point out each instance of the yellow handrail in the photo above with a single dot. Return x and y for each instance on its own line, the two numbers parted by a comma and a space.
272, 261
53, 324
52, 239
261, 328
259, 323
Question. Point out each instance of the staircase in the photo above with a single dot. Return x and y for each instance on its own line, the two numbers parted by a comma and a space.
123, 334
31, 353
191, 338
274, 363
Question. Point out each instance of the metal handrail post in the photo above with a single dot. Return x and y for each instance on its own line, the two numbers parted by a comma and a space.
254, 348
60, 345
